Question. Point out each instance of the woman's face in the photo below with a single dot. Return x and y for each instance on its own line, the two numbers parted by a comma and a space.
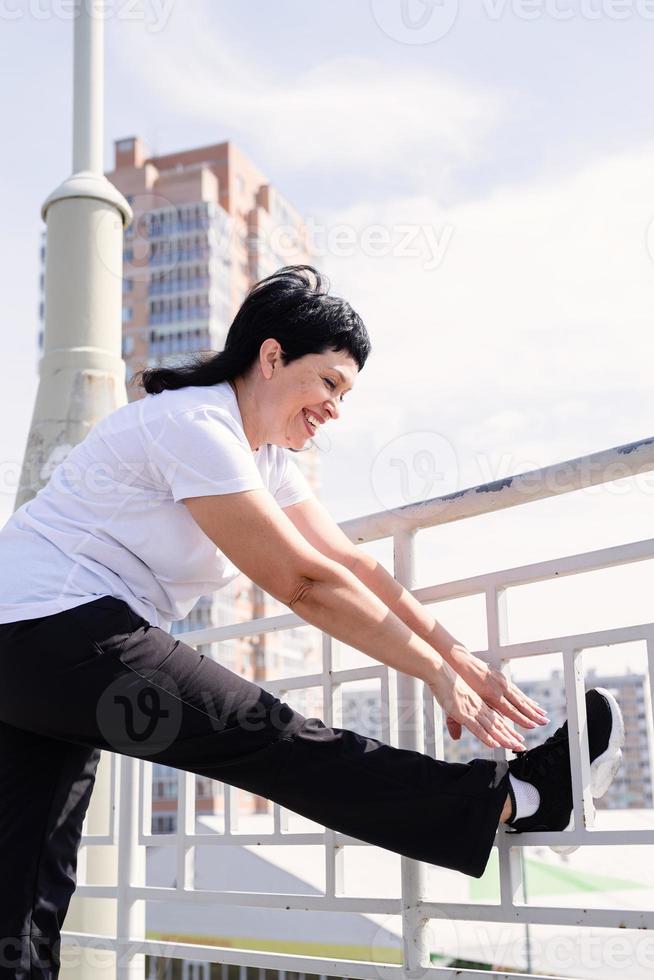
282, 396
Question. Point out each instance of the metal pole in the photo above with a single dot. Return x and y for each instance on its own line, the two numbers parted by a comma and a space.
88, 108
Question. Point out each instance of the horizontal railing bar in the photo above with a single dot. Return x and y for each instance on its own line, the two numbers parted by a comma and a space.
88, 940
550, 481
96, 891
290, 962
591, 838
553, 568
604, 918
467, 911
267, 900
315, 680
235, 631
554, 644
249, 840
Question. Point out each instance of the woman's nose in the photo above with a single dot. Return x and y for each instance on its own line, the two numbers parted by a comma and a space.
334, 409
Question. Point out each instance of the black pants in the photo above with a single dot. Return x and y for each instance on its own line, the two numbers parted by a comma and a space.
101, 677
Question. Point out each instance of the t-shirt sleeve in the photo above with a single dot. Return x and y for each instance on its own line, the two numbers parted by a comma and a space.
201, 452
291, 484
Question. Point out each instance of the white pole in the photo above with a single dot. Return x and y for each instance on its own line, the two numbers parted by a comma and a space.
88, 107
82, 373
415, 924
82, 379
131, 866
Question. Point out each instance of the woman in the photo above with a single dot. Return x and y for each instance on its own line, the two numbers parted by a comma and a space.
168, 498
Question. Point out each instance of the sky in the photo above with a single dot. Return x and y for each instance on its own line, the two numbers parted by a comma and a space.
480, 182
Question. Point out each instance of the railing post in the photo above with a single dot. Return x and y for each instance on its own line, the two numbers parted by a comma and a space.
130, 913
649, 710
575, 696
415, 925
512, 861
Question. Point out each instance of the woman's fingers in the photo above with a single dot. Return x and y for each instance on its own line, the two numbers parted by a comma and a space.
507, 737
502, 731
481, 733
510, 701
496, 731
489, 716
509, 709
519, 708
528, 706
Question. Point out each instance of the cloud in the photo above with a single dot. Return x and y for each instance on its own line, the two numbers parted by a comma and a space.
348, 114
539, 312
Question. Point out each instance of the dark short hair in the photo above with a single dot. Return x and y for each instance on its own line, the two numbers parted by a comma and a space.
293, 306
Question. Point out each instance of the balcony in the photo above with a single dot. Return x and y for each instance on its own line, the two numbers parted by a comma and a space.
179, 255
179, 285
501, 915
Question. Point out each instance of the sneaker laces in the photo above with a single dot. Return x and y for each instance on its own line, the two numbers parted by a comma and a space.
545, 756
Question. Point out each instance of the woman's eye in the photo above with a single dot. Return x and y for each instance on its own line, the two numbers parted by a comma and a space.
333, 385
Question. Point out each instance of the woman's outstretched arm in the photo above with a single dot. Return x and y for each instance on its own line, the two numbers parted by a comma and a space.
317, 525
256, 535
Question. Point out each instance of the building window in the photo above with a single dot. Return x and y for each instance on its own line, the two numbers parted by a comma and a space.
163, 823
128, 345
128, 313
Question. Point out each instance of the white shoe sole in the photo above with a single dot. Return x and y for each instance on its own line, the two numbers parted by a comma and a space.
604, 768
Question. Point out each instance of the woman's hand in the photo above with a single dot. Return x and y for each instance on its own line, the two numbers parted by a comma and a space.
464, 707
496, 690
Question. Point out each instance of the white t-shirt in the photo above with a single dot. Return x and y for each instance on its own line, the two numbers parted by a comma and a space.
110, 519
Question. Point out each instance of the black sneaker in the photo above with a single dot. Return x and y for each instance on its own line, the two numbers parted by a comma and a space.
547, 767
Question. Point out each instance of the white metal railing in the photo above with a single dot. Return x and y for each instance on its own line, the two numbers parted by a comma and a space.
133, 778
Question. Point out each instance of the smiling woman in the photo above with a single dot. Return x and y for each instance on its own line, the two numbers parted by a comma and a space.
196, 486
